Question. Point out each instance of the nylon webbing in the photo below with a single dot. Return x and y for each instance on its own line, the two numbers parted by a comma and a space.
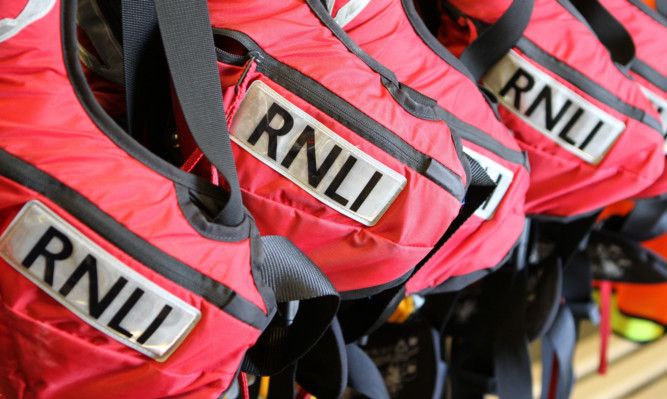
492, 44
298, 325
363, 375
323, 371
609, 31
188, 42
558, 344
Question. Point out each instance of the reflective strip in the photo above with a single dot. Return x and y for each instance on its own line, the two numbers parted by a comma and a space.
553, 109
312, 156
500, 175
97, 287
660, 105
350, 11
33, 10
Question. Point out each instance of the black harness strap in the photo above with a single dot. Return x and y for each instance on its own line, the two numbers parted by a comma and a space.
609, 31
495, 41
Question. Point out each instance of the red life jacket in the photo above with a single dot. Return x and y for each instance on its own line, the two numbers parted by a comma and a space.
332, 151
391, 32
589, 132
646, 28
117, 280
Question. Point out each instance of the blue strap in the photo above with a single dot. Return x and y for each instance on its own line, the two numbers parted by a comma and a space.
558, 344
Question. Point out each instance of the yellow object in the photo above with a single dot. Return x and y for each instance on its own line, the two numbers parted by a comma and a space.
632, 328
403, 311
263, 388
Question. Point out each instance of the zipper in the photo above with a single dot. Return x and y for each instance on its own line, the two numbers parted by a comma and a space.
331, 104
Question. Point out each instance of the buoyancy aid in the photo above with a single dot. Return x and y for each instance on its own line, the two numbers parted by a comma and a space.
589, 131
333, 151
393, 33
121, 274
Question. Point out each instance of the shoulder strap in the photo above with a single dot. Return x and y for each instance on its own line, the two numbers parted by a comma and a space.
363, 375
498, 38
187, 39
557, 352
307, 304
609, 31
307, 299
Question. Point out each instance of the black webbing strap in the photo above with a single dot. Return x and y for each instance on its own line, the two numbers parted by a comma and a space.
281, 385
492, 354
578, 289
492, 44
568, 237
609, 31
511, 357
647, 220
360, 317
363, 375
557, 350
188, 43
142, 59
546, 294
323, 372
146, 79
307, 303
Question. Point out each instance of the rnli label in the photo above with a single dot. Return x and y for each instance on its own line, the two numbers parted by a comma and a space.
553, 109
97, 287
660, 105
312, 156
500, 175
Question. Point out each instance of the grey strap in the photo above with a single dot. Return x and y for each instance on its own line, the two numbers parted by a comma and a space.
557, 350
307, 304
188, 42
494, 42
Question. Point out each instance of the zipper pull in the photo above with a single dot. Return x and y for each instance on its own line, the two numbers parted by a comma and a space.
242, 85
251, 63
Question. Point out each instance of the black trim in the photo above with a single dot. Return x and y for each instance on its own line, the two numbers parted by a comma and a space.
236, 306
330, 103
477, 136
457, 283
463, 129
539, 217
108, 228
431, 42
417, 105
569, 7
649, 73
374, 290
590, 87
321, 13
